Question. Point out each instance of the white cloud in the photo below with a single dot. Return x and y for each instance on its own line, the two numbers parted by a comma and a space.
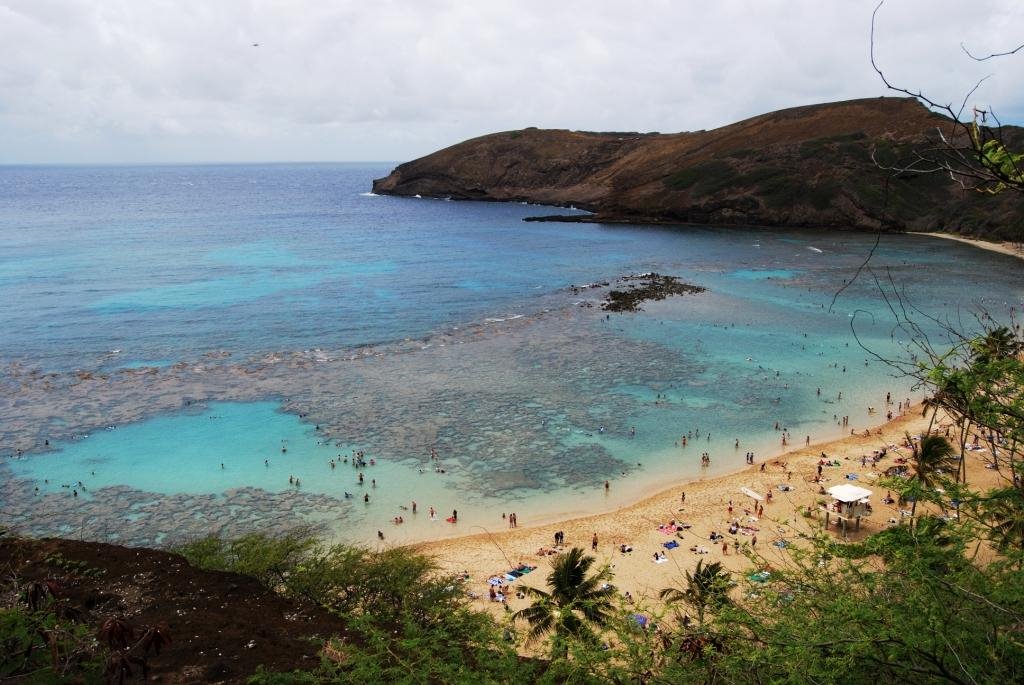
162, 80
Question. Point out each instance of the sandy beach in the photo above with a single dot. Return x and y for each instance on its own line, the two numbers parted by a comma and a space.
704, 510
1003, 247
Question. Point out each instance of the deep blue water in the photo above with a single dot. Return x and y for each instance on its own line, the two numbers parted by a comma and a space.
168, 261
107, 268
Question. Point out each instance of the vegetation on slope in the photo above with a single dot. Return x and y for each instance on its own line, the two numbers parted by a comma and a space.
841, 165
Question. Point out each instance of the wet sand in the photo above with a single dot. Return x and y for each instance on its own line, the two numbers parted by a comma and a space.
705, 509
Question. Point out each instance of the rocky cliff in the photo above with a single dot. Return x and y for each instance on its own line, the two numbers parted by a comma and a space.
811, 166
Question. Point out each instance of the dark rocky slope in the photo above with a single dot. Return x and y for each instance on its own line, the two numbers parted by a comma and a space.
223, 626
802, 167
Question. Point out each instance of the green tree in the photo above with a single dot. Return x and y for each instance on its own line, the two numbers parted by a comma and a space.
706, 588
575, 603
906, 606
932, 457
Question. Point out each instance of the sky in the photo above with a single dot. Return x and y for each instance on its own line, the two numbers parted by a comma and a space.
165, 81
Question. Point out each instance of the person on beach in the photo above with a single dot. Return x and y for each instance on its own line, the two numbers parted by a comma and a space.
593, 543
607, 485
414, 506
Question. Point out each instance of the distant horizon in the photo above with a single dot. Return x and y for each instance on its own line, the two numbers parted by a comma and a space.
292, 162
271, 162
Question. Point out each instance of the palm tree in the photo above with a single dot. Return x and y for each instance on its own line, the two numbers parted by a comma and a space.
1006, 516
996, 344
574, 603
706, 588
932, 455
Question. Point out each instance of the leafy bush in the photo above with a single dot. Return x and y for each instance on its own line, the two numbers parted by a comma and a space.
405, 621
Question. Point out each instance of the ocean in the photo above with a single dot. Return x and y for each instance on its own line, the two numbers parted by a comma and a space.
180, 344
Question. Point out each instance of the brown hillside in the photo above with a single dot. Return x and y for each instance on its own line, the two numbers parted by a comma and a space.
223, 626
806, 166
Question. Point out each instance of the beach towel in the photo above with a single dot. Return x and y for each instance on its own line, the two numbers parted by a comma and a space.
671, 544
851, 476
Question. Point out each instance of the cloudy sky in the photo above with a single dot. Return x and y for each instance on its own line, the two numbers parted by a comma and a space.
181, 80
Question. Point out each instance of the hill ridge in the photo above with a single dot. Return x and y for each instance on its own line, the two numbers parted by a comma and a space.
807, 166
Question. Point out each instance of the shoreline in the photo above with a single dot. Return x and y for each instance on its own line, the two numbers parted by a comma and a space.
706, 509
1005, 247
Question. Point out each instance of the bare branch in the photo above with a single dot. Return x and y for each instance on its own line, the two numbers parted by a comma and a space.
994, 54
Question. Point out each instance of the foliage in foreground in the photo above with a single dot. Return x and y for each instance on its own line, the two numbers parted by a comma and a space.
45, 638
405, 622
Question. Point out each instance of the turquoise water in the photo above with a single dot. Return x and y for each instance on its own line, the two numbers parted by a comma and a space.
161, 321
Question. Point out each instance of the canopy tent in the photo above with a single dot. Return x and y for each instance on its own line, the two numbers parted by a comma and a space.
849, 493
750, 493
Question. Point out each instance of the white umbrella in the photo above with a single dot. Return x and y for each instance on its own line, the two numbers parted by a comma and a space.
750, 493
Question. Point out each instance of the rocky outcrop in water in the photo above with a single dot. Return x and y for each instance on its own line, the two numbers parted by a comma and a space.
811, 166
646, 287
